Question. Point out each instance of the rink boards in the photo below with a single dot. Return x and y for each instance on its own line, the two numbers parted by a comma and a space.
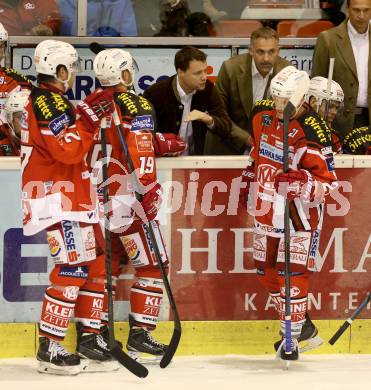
212, 272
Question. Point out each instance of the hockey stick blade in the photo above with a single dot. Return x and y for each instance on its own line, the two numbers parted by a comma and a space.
339, 332
349, 321
130, 364
173, 345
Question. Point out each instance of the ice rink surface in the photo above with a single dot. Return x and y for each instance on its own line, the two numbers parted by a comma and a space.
232, 372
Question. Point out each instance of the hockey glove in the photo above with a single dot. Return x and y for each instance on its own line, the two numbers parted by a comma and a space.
294, 184
248, 177
94, 107
151, 201
168, 144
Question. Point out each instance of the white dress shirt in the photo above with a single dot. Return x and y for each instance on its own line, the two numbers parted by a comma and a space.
185, 130
259, 83
360, 45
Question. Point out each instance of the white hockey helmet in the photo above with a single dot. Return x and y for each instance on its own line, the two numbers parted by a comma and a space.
16, 102
51, 53
3, 34
318, 89
109, 64
286, 82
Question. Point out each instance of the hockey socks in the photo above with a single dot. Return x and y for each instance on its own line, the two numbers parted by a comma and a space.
57, 311
145, 300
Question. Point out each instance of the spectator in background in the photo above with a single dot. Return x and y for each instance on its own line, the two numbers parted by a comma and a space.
200, 25
25, 17
242, 80
107, 18
188, 104
332, 10
349, 43
173, 17
10, 81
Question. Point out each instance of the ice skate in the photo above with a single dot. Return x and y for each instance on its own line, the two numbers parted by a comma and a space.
105, 334
143, 347
54, 359
95, 354
308, 338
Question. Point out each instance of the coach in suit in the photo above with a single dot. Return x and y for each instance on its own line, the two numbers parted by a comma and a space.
242, 80
188, 104
350, 44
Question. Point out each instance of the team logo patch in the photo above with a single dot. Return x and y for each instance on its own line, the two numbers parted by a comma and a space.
144, 142
131, 248
54, 246
59, 124
265, 176
74, 272
142, 122
266, 120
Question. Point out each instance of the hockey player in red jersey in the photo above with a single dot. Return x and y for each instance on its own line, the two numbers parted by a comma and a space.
13, 113
114, 68
311, 176
355, 141
10, 80
58, 197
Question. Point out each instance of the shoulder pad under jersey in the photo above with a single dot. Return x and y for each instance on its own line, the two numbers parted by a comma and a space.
18, 77
357, 141
133, 105
136, 110
264, 104
315, 129
52, 109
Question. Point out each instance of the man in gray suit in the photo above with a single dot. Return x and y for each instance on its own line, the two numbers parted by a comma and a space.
350, 44
242, 80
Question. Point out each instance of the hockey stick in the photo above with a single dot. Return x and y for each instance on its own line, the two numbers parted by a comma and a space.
173, 345
328, 90
349, 321
124, 359
290, 109
174, 342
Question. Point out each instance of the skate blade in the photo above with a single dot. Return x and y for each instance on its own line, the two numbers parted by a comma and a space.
312, 343
145, 358
52, 369
89, 365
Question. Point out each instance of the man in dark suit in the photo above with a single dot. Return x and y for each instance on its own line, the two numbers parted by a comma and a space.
242, 80
187, 103
350, 44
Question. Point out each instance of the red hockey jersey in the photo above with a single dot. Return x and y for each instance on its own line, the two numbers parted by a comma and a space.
137, 120
9, 80
55, 177
309, 143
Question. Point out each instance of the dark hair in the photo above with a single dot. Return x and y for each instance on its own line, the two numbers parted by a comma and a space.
200, 25
264, 32
184, 56
45, 78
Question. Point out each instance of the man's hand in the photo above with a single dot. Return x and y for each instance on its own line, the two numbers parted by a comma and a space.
294, 184
196, 115
169, 144
94, 107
